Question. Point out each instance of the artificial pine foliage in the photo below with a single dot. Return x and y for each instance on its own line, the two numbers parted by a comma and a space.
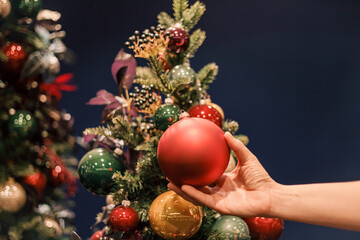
34, 131
129, 129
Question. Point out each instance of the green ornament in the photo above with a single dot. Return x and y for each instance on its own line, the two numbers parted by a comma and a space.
231, 228
181, 75
22, 122
166, 115
27, 8
96, 169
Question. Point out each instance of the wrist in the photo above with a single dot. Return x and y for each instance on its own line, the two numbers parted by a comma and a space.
282, 199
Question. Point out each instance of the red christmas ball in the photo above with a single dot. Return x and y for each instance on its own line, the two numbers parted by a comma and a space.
163, 61
97, 235
179, 39
193, 151
265, 228
57, 175
16, 57
123, 219
207, 112
37, 180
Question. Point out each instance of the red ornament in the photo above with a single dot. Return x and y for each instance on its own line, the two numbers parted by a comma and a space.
97, 235
37, 180
265, 228
193, 151
207, 112
16, 57
163, 60
179, 39
123, 218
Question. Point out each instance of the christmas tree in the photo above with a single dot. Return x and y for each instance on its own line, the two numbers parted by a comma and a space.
35, 140
145, 136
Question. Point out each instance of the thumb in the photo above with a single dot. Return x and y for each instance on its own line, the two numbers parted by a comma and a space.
241, 151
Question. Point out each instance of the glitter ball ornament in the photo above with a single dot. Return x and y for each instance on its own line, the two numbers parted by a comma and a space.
207, 112
181, 74
123, 218
16, 55
23, 123
97, 235
96, 169
265, 228
12, 196
36, 180
53, 226
193, 151
231, 228
166, 115
5, 8
179, 39
172, 217
27, 8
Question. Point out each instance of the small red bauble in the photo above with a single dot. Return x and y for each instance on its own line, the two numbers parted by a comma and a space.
37, 180
97, 235
123, 218
163, 60
265, 228
57, 175
16, 57
179, 39
207, 112
193, 151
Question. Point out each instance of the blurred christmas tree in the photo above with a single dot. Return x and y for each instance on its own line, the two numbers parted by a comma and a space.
128, 168
34, 131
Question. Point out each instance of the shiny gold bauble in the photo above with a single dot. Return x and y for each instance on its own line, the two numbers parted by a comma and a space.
172, 217
54, 227
12, 196
109, 199
5, 8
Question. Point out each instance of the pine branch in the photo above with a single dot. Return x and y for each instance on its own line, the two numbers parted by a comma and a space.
207, 75
230, 126
165, 20
243, 138
122, 129
193, 14
98, 131
145, 76
158, 70
128, 183
179, 6
196, 40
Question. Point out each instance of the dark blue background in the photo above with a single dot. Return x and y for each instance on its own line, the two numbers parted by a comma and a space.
289, 74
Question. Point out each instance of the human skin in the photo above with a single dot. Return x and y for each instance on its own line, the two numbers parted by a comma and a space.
249, 191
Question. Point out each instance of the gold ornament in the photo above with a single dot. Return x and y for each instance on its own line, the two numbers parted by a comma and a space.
12, 196
172, 217
5, 8
214, 105
54, 226
232, 164
217, 107
109, 200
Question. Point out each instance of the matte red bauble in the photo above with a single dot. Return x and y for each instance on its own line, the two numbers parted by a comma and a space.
37, 180
265, 228
123, 219
207, 112
193, 151
97, 235
16, 57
